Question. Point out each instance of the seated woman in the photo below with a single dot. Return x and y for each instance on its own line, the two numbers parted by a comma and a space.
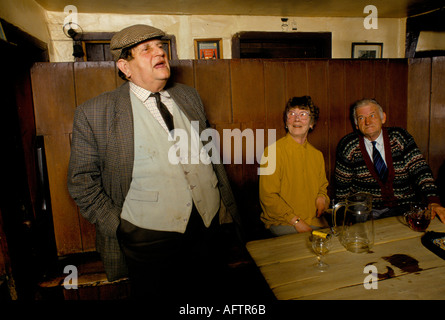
294, 197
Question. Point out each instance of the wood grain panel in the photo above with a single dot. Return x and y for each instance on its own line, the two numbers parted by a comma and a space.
247, 85
367, 69
275, 95
54, 97
65, 217
234, 171
354, 88
296, 79
397, 93
252, 154
212, 79
381, 82
182, 71
318, 91
418, 109
338, 110
93, 78
437, 132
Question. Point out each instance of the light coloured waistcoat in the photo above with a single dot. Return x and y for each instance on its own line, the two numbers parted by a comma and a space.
161, 194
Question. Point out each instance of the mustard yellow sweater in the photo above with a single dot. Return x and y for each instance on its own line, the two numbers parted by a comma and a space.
299, 178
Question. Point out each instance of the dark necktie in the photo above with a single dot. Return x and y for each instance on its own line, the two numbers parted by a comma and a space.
379, 164
166, 115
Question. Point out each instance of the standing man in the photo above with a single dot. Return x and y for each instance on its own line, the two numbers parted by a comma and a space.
384, 162
157, 218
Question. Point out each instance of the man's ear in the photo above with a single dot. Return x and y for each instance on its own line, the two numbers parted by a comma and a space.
384, 118
122, 64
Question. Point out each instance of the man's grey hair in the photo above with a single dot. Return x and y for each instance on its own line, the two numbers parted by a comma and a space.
364, 102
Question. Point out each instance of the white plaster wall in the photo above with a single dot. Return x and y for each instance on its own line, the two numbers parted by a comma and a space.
26, 15
186, 28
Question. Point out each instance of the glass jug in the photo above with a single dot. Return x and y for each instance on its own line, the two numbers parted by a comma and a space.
356, 232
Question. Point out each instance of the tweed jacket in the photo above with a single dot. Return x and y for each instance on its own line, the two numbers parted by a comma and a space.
409, 177
101, 164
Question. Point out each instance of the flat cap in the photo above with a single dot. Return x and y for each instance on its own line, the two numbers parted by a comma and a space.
131, 36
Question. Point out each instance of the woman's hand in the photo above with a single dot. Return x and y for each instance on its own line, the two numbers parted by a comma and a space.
303, 227
321, 205
300, 226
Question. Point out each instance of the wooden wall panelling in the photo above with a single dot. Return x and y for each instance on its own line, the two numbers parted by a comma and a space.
93, 78
296, 79
248, 196
212, 80
182, 71
367, 71
247, 86
250, 161
54, 105
318, 89
354, 87
338, 124
54, 97
275, 97
234, 171
437, 132
380, 82
397, 93
68, 233
419, 99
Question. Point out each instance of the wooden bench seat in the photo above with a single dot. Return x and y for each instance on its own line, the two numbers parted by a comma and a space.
92, 283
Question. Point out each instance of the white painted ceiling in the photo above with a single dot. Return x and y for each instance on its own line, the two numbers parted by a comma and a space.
298, 8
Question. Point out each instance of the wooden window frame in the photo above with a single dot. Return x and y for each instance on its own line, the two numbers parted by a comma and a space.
105, 38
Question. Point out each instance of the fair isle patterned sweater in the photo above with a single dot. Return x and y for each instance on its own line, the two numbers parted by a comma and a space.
409, 177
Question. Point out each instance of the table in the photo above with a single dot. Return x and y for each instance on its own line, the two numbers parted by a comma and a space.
406, 269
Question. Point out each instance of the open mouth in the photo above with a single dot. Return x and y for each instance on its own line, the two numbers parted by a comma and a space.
159, 65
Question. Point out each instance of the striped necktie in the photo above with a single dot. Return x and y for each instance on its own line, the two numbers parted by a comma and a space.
379, 164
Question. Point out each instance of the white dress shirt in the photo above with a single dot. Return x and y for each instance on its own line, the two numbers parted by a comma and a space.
379, 145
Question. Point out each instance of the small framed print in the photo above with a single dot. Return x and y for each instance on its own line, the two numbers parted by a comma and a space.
166, 45
367, 50
208, 49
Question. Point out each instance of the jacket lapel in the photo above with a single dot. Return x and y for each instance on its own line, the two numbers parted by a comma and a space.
187, 106
122, 136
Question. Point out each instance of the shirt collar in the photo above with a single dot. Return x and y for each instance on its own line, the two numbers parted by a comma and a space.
379, 140
295, 143
144, 94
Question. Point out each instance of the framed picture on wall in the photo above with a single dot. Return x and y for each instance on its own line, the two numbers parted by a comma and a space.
166, 45
367, 50
208, 49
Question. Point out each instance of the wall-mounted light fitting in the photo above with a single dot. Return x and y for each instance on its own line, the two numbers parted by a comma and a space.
70, 32
284, 25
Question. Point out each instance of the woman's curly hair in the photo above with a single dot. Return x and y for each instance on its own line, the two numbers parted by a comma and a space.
304, 103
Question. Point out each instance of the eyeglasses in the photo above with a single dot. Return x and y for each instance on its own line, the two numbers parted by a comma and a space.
303, 115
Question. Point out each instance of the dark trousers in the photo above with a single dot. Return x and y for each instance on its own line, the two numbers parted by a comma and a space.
174, 266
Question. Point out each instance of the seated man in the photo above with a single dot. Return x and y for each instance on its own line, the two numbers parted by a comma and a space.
384, 162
